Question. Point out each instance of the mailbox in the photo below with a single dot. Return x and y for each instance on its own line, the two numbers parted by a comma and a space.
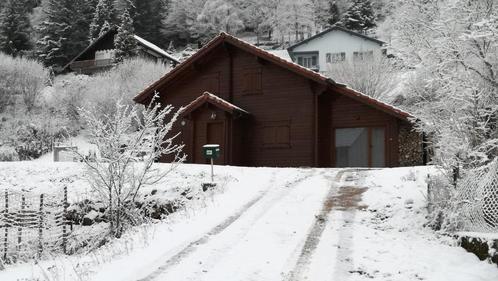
211, 151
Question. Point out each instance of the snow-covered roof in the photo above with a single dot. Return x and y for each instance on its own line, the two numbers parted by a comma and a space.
154, 47
284, 54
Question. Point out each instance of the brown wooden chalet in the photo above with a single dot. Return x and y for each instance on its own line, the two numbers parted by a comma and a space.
99, 55
266, 111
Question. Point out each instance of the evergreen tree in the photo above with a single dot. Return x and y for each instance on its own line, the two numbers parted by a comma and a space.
124, 43
104, 12
334, 15
63, 31
14, 28
359, 17
105, 27
147, 17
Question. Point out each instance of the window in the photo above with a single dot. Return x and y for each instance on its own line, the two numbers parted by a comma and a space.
308, 60
252, 81
360, 147
276, 134
335, 57
359, 56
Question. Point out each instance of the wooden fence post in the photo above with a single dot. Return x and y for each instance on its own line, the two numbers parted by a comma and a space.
64, 229
6, 225
19, 224
40, 228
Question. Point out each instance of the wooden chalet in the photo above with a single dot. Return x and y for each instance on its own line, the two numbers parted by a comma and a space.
266, 111
99, 55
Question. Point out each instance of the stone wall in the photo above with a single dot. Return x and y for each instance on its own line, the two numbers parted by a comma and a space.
484, 249
410, 146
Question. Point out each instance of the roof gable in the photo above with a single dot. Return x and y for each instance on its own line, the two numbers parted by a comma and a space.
316, 77
333, 29
215, 101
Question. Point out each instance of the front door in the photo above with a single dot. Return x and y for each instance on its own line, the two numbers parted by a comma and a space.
216, 135
360, 147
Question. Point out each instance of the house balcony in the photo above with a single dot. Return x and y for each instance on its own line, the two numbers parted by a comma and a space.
91, 66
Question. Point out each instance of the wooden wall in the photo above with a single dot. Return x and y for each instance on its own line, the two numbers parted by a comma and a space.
284, 100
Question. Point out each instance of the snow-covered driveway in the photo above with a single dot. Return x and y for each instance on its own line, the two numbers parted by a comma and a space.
325, 225
286, 224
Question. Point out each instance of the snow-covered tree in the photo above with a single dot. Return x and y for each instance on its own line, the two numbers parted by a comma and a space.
219, 15
359, 17
375, 77
334, 14
63, 31
455, 48
15, 28
102, 19
129, 142
178, 25
294, 19
125, 44
147, 17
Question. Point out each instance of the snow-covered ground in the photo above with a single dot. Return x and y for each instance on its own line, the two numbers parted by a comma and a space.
269, 224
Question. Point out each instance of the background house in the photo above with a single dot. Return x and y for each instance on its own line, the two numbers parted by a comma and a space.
334, 45
99, 55
266, 111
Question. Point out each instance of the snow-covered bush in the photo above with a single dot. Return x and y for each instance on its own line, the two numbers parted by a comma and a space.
129, 142
442, 206
8, 153
21, 82
103, 90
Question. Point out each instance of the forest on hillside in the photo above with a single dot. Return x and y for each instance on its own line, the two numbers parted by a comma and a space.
54, 31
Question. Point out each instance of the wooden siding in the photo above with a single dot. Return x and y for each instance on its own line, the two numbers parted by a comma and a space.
312, 112
285, 96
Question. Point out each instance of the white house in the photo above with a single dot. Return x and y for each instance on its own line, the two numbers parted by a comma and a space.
334, 45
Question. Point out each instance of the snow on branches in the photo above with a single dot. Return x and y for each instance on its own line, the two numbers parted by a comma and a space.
129, 141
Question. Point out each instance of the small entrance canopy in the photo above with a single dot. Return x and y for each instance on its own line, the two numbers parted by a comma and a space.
208, 98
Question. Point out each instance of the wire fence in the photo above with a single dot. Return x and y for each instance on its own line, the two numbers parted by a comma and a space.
477, 194
32, 225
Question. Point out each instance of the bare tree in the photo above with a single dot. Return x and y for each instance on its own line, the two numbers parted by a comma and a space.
129, 142
374, 77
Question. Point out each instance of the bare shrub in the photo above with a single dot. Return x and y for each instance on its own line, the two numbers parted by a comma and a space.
21, 80
126, 156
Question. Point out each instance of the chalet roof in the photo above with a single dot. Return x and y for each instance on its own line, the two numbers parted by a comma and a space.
335, 28
112, 32
289, 65
155, 48
207, 97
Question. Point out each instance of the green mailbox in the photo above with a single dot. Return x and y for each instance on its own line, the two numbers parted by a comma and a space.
211, 151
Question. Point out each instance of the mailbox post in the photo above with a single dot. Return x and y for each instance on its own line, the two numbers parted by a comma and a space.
211, 151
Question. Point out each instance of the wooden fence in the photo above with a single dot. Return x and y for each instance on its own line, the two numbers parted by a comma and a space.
32, 225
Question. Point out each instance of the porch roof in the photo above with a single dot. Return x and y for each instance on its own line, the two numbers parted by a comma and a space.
216, 101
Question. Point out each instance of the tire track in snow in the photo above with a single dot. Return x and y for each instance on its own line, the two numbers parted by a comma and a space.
221, 247
191, 247
314, 235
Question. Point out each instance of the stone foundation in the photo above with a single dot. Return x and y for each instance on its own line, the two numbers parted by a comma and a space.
410, 147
